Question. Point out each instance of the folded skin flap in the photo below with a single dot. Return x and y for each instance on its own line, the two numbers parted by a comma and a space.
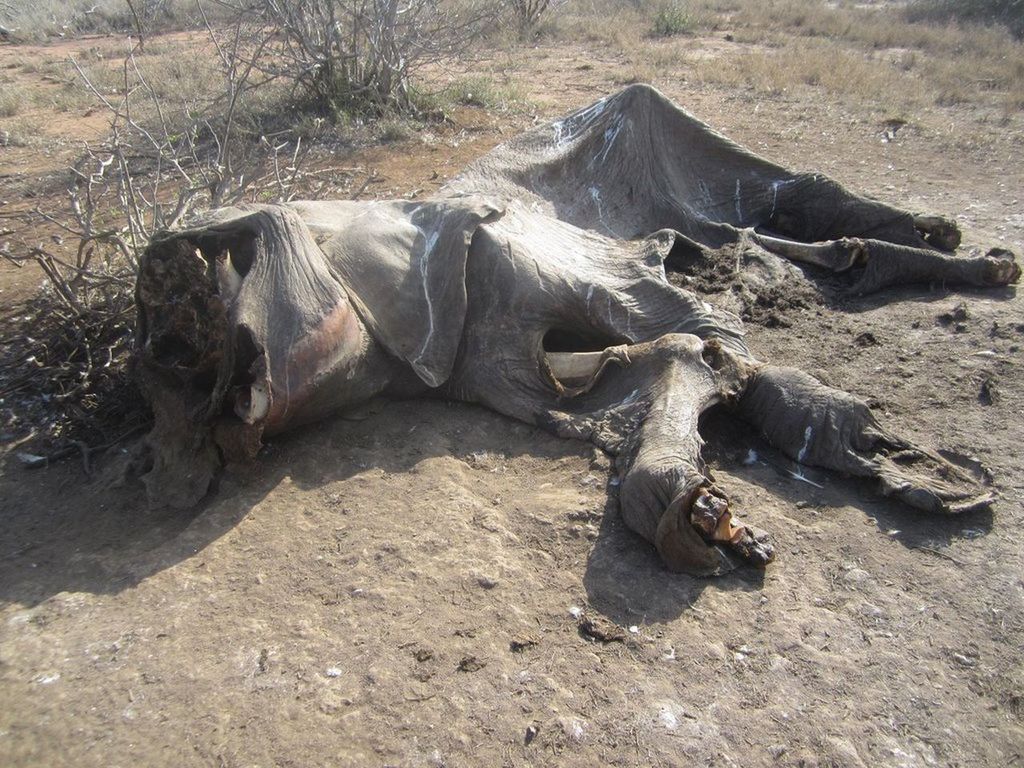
404, 266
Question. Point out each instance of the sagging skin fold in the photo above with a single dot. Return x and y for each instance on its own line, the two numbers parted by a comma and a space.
514, 290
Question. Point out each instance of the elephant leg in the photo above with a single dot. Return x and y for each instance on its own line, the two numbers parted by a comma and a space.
817, 425
886, 264
822, 223
646, 412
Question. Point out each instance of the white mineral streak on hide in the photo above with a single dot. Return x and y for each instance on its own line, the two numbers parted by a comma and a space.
429, 241
705, 194
595, 195
590, 295
569, 129
799, 473
611, 133
775, 196
739, 210
557, 139
808, 434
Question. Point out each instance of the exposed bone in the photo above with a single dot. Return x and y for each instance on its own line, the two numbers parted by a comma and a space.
836, 255
252, 403
711, 516
228, 278
572, 367
576, 372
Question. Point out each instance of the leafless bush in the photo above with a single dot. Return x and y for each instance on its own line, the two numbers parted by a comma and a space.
64, 367
347, 55
528, 13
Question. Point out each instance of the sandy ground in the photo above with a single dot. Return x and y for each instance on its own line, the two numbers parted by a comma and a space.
409, 588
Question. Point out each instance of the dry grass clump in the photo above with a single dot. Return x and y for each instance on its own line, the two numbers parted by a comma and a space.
40, 19
12, 100
674, 17
481, 91
844, 73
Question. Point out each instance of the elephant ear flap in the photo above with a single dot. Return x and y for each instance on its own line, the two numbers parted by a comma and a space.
405, 267
439, 272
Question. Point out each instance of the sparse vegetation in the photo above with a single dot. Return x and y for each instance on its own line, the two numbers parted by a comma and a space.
673, 18
481, 91
11, 101
1009, 13
41, 19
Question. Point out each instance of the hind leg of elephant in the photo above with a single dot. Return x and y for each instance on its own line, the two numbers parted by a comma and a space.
885, 264
817, 221
817, 425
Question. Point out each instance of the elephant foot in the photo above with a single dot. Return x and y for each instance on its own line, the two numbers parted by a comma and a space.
928, 482
701, 536
816, 425
711, 516
938, 231
998, 267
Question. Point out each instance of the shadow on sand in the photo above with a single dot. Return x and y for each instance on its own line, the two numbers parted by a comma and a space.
62, 533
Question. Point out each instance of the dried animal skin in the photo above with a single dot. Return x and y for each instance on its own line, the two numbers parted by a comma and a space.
535, 284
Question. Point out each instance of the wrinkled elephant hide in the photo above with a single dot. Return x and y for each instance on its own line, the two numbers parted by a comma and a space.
535, 284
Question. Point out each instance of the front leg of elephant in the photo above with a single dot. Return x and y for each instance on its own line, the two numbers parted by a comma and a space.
667, 492
645, 411
820, 426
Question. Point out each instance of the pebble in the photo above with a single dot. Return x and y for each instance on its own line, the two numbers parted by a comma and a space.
964, 661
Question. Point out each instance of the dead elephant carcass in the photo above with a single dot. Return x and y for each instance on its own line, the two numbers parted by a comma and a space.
535, 284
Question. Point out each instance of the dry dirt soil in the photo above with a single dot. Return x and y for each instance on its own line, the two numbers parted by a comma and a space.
432, 584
